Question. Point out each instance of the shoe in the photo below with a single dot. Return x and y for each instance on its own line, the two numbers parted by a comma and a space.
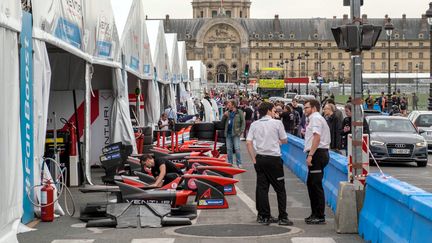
242, 139
239, 166
273, 220
315, 220
264, 221
309, 218
285, 222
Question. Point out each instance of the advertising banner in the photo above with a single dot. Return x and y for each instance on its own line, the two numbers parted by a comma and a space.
26, 112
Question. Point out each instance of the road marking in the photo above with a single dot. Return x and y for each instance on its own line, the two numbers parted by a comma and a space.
195, 219
312, 240
72, 241
154, 240
429, 165
247, 200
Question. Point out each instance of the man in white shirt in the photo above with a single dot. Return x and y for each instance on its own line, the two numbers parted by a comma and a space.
263, 143
317, 143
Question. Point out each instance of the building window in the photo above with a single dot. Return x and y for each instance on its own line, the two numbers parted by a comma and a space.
421, 66
281, 55
210, 52
316, 66
372, 67
410, 44
257, 55
214, 13
383, 66
241, 16
270, 55
396, 66
383, 44
303, 44
396, 44
270, 64
234, 54
315, 44
329, 55
421, 44
383, 55
257, 66
329, 66
329, 44
222, 53
257, 44
409, 54
410, 67
340, 55
396, 55
281, 45
420, 54
372, 55
292, 45
316, 55
228, 13
202, 14
270, 45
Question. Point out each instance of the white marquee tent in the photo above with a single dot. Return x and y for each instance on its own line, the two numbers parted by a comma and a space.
11, 173
184, 72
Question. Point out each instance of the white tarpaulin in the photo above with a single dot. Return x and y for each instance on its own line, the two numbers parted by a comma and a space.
158, 49
209, 115
151, 102
173, 56
198, 74
10, 14
184, 72
11, 173
135, 43
61, 23
215, 109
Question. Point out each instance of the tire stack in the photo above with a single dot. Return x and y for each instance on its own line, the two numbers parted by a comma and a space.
220, 128
148, 139
203, 131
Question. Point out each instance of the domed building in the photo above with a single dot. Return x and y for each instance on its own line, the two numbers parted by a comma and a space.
225, 38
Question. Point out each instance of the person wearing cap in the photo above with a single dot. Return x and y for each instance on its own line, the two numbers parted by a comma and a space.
263, 144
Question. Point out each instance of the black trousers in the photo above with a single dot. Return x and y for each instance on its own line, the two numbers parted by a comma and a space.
314, 182
269, 170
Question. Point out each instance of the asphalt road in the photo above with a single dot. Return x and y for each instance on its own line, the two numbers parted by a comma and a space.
409, 172
242, 211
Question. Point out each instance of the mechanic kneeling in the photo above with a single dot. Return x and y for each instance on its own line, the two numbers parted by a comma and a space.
163, 170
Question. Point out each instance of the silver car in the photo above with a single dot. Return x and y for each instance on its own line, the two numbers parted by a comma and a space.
395, 139
422, 120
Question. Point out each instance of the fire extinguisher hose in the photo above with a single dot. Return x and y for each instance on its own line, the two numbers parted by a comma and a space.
59, 182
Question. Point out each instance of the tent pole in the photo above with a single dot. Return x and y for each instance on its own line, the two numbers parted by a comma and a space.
88, 78
77, 125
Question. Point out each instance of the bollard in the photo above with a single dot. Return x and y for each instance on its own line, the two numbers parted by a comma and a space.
346, 214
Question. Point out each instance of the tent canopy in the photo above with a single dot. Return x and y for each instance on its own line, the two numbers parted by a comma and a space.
10, 14
158, 49
183, 61
135, 43
173, 55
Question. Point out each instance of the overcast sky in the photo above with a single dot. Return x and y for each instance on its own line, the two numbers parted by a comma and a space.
285, 8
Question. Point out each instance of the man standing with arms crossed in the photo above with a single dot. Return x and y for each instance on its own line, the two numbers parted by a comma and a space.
263, 143
317, 143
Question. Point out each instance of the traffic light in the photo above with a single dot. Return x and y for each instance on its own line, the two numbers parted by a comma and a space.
246, 70
352, 37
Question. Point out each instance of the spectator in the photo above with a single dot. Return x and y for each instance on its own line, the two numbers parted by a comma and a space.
234, 121
164, 123
335, 126
288, 119
248, 118
337, 113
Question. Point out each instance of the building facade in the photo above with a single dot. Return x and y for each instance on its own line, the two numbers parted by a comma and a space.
225, 38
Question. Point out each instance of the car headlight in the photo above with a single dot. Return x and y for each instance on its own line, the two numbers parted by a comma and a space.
421, 144
376, 143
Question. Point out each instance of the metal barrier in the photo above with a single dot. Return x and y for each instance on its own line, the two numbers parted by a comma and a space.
395, 211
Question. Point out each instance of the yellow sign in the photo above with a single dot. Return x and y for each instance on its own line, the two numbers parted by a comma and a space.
272, 69
272, 83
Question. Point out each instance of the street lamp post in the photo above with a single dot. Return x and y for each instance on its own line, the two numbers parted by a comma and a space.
395, 67
292, 70
320, 49
388, 26
299, 58
417, 70
307, 74
343, 78
429, 19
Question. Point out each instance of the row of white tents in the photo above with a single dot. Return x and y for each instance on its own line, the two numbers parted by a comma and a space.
72, 65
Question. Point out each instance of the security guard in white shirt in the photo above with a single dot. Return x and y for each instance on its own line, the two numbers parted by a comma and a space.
263, 143
317, 143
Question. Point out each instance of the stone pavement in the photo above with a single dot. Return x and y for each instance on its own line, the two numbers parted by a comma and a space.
236, 224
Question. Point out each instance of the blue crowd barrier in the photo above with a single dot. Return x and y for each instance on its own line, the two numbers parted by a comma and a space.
395, 211
335, 172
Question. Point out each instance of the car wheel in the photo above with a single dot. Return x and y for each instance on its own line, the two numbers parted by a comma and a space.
422, 164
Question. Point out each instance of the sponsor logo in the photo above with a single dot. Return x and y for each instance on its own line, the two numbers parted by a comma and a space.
191, 184
143, 202
211, 202
228, 188
400, 145
174, 185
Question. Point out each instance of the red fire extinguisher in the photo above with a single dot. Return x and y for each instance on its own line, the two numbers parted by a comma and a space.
47, 202
73, 140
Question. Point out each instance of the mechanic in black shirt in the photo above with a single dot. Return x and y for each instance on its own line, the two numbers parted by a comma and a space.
163, 170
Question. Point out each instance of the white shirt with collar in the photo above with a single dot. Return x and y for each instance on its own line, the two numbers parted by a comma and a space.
266, 134
317, 125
